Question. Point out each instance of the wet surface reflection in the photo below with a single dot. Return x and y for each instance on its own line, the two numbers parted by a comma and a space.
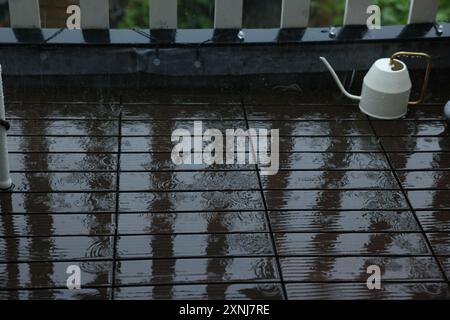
353, 269
57, 294
253, 291
335, 180
95, 273
358, 291
411, 128
194, 222
356, 200
194, 245
196, 270
141, 227
351, 244
342, 221
421, 160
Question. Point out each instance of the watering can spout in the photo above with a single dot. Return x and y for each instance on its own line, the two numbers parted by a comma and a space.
339, 83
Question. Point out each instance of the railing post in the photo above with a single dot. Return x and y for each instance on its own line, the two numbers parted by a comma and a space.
94, 14
5, 179
423, 11
228, 14
295, 13
24, 13
163, 14
356, 12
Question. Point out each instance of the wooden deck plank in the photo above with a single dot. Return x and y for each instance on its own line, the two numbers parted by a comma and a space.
333, 161
434, 221
251, 291
420, 160
63, 182
49, 127
53, 274
165, 128
336, 269
335, 200
410, 128
194, 271
358, 291
435, 179
50, 225
56, 202
56, 248
338, 180
440, 243
162, 162
66, 162
342, 221
290, 144
332, 244
302, 112
191, 201
189, 111
58, 294
315, 128
177, 246
445, 262
186, 181
430, 199
62, 144
192, 222
62, 110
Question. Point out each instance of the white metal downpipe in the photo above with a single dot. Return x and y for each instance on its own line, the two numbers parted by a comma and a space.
5, 178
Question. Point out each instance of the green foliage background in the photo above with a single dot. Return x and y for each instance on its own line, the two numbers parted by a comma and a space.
200, 13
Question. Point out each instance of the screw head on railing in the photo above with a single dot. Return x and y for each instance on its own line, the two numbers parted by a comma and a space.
241, 35
197, 64
332, 32
439, 29
447, 111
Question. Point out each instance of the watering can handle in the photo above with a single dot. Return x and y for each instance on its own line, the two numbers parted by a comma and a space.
427, 72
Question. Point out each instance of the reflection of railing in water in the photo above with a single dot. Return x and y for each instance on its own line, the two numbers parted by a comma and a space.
228, 13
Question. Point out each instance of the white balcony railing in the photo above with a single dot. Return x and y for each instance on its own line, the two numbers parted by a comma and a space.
228, 13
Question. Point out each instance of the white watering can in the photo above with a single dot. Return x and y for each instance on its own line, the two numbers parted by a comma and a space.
387, 87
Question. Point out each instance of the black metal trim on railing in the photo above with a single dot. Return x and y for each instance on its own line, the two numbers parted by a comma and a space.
180, 37
211, 54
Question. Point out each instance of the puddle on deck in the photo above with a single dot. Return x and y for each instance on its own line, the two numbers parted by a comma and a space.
95, 186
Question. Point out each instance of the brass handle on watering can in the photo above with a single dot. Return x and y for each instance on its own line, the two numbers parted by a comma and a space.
427, 72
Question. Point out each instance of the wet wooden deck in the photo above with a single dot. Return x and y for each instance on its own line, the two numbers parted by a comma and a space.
95, 186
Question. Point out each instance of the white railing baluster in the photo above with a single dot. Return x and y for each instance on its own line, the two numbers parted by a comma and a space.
94, 14
423, 11
228, 14
5, 178
163, 14
24, 13
356, 12
295, 13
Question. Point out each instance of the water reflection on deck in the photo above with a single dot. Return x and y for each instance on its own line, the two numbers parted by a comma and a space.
95, 186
